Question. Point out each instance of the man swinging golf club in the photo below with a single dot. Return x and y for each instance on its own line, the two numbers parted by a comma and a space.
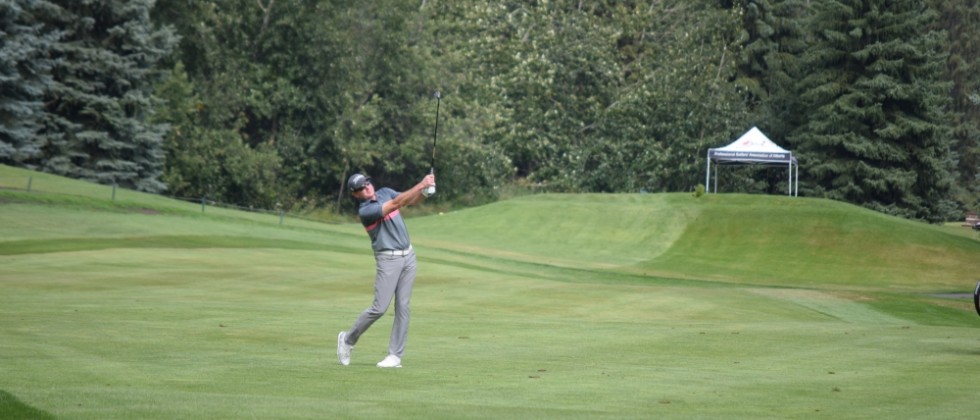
380, 214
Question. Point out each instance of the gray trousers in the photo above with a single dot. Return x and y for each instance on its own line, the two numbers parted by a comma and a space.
395, 278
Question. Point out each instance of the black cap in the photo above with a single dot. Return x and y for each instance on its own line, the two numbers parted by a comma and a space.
357, 181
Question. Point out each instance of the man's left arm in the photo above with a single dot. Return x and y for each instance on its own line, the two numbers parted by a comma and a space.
407, 198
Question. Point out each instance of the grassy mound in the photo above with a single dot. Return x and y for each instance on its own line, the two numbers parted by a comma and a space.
747, 239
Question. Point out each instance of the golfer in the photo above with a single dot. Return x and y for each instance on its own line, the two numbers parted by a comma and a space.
394, 258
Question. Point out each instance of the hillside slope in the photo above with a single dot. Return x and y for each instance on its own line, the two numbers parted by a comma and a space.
751, 239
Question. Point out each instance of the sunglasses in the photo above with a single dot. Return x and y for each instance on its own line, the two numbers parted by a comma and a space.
363, 187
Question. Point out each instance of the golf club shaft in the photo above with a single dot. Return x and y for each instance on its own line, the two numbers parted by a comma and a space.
430, 190
435, 134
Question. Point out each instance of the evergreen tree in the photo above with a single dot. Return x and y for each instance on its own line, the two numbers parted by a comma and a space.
25, 68
878, 130
97, 124
772, 39
959, 18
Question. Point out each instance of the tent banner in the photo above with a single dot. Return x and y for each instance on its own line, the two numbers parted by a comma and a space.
750, 156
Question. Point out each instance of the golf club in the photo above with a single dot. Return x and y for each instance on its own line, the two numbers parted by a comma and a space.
431, 190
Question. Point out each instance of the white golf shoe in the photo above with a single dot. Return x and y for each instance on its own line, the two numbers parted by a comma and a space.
391, 361
343, 349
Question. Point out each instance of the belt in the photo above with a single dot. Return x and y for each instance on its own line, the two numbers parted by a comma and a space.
395, 252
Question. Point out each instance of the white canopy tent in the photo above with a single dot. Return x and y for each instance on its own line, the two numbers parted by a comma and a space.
754, 148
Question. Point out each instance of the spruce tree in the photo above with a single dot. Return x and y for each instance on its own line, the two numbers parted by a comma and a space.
98, 127
24, 75
959, 19
772, 40
878, 131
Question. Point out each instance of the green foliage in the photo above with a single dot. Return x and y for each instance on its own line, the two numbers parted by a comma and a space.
606, 97
323, 90
204, 161
698, 191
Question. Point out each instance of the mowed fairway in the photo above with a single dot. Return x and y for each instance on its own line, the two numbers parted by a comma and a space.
547, 306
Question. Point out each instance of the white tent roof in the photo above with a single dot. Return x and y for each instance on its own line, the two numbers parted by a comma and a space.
753, 146
754, 140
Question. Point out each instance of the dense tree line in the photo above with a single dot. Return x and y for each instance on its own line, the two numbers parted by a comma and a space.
274, 103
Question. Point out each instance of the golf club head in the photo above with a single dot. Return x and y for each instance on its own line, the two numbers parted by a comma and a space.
976, 298
437, 95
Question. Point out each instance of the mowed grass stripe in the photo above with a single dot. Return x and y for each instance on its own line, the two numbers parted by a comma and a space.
177, 241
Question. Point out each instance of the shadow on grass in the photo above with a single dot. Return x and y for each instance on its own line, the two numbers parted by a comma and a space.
12, 408
961, 351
